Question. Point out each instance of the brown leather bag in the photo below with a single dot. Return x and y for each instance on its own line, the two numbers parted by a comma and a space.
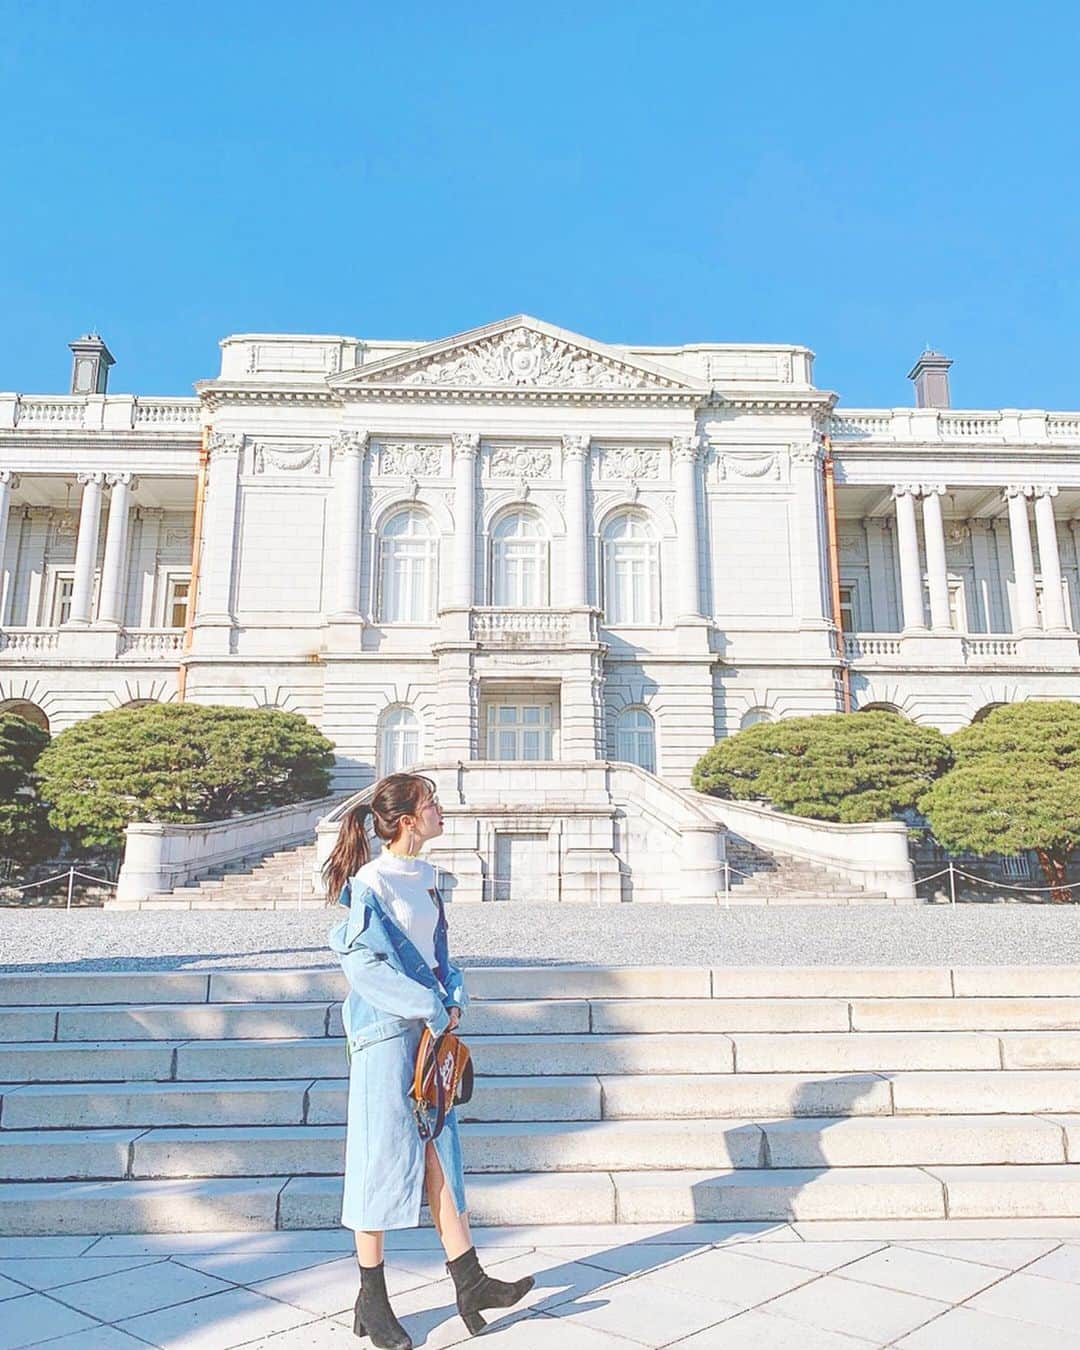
442, 1078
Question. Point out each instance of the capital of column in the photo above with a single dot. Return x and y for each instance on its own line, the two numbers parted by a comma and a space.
1045, 490
226, 443
465, 444
686, 449
931, 489
9, 478
906, 490
127, 480
349, 444
576, 447
808, 452
86, 479
1018, 490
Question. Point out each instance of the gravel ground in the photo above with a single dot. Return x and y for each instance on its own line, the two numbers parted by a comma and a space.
682, 935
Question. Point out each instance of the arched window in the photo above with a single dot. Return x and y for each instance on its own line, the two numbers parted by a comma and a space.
407, 570
881, 707
19, 707
519, 561
399, 740
753, 716
635, 741
631, 570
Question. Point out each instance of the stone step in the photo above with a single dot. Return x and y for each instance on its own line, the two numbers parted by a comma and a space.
270, 1102
822, 1052
38, 992
749, 1195
593, 1146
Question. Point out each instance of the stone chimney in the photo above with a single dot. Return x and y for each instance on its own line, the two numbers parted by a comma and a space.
90, 365
931, 375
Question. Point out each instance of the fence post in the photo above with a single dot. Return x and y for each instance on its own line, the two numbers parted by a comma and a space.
952, 886
71, 885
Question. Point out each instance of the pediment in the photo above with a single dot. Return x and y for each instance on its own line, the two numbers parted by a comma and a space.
521, 356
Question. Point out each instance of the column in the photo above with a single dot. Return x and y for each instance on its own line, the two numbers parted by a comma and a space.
466, 447
936, 567
1026, 618
114, 570
86, 547
218, 543
8, 482
575, 477
907, 547
685, 451
810, 561
986, 617
349, 449
1054, 616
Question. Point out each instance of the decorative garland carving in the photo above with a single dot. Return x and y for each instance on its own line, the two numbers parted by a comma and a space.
519, 461
410, 457
288, 458
628, 462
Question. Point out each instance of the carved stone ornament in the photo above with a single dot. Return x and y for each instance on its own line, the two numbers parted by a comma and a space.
465, 443
175, 538
226, 443
64, 522
410, 457
122, 480
850, 545
86, 479
9, 478
575, 447
748, 466
523, 357
301, 458
808, 452
629, 462
686, 449
348, 443
1019, 490
519, 461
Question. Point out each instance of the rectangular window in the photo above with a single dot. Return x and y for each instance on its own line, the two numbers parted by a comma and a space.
847, 609
63, 587
1015, 866
519, 731
176, 602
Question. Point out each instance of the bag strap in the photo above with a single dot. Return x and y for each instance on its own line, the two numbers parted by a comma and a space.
428, 1051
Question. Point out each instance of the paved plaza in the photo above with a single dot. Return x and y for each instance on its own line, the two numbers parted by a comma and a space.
807, 1286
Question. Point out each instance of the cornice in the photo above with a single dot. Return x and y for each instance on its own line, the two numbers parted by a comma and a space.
93, 442
396, 393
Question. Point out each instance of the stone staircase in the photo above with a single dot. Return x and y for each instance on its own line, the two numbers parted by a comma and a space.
761, 877
280, 880
203, 1101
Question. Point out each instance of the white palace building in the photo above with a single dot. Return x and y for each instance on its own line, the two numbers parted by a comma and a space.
520, 544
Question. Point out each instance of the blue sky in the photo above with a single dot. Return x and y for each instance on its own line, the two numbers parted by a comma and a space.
860, 177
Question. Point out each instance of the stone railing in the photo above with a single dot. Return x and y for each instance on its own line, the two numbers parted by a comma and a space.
982, 647
160, 857
860, 644
29, 641
530, 627
151, 641
874, 855
98, 412
1005, 426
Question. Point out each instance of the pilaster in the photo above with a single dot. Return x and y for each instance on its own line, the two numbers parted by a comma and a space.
345, 623
212, 634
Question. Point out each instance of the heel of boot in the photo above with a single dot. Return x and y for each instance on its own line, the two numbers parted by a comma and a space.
474, 1322
358, 1328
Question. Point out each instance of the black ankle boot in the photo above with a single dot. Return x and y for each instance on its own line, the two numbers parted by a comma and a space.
475, 1290
373, 1315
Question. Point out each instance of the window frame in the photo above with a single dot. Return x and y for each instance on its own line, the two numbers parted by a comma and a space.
429, 557
648, 545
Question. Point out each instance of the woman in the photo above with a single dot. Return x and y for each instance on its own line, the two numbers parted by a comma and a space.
393, 949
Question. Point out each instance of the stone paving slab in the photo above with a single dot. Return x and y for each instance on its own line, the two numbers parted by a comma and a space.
598, 1287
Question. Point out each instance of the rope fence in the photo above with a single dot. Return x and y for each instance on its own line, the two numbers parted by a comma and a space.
68, 876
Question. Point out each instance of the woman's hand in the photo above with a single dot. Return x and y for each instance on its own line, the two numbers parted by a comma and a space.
455, 1018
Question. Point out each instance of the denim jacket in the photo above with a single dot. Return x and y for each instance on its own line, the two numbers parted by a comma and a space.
390, 983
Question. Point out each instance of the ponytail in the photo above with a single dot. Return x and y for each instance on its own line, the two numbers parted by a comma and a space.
349, 854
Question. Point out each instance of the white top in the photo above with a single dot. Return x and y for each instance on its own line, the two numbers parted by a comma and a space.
404, 887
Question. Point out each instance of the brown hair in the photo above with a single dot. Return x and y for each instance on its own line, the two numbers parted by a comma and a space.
396, 795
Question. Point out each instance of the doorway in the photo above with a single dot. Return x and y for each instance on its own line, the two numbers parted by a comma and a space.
521, 866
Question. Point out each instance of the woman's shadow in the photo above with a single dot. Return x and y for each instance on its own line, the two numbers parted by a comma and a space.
721, 1212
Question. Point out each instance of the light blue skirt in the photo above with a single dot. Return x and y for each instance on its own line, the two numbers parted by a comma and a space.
384, 1154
